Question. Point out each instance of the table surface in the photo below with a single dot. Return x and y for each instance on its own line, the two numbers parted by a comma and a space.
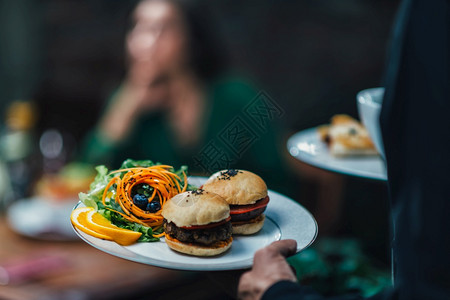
85, 272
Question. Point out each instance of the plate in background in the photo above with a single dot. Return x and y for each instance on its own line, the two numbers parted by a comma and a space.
42, 219
307, 147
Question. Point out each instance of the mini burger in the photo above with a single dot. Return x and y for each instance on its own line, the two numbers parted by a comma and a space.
197, 223
246, 193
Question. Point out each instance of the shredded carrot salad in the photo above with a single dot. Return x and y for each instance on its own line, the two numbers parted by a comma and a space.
165, 183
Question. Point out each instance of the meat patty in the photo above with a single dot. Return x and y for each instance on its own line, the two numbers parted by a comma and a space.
202, 236
247, 215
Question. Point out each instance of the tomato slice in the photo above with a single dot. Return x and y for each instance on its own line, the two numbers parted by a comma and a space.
206, 226
240, 209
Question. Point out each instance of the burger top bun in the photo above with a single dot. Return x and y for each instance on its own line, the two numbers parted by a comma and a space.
237, 186
195, 208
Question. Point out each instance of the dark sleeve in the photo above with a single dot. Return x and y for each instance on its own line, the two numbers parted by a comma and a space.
288, 290
415, 126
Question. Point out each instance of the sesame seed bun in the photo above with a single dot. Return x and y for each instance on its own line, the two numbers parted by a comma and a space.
237, 187
196, 249
250, 227
195, 208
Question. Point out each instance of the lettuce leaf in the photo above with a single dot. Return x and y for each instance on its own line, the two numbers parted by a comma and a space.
96, 188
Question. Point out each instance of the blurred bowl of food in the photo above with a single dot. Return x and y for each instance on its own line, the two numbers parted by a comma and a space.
46, 214
66, 184
369, 102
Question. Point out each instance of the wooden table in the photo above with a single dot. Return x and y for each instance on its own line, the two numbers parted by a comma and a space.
83, 272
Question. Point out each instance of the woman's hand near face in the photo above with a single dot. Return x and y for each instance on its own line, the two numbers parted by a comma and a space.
143, 88
134, 98
140, 93
156, 52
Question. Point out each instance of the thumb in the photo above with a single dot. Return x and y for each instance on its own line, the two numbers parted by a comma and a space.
285, 248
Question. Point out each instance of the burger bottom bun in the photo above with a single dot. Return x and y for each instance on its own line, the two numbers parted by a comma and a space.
196, 249
249, 227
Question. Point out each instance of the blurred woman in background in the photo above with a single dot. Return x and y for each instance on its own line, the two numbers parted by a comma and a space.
177, 103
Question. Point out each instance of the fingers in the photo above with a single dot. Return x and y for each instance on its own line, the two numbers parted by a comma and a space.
294, 271
269, 266
246, 288
277, 252
284, 247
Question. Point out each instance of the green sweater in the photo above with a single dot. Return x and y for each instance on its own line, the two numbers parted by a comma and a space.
240, 132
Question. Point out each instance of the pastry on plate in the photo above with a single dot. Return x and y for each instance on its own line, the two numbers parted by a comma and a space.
346, 136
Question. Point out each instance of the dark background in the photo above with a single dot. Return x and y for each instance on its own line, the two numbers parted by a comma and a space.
312, 57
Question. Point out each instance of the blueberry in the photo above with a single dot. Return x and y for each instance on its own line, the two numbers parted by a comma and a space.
140, 201
153, 206
143, 189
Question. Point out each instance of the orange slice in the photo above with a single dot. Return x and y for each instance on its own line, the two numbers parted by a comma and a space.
79, 220
103, 226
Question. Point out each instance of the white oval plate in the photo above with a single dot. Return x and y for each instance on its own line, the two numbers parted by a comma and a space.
42, 219
285, 219
306, 146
